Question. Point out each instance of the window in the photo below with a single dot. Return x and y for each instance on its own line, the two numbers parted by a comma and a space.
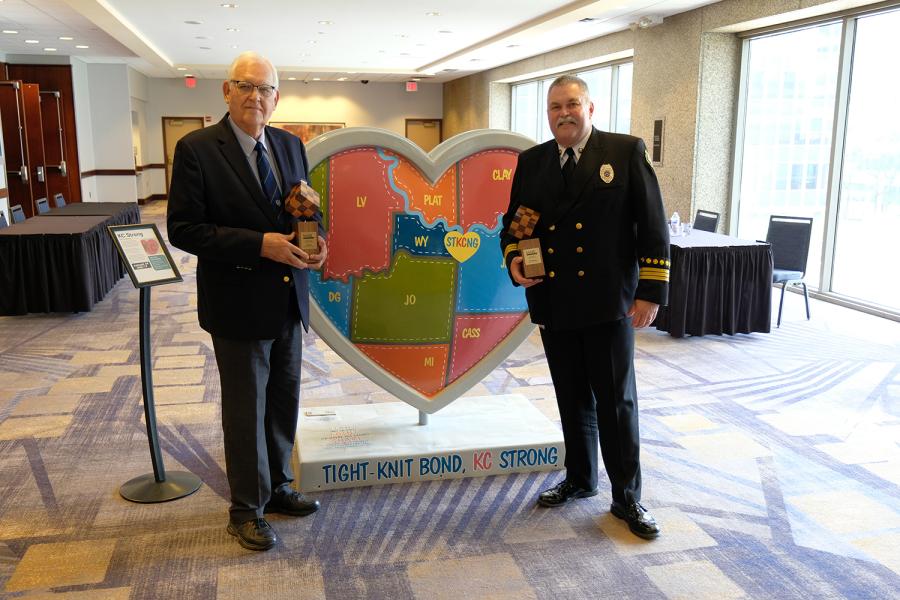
610, 89
792, 88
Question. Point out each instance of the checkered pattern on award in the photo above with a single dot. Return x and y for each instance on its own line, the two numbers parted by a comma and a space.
523, 222
303, 201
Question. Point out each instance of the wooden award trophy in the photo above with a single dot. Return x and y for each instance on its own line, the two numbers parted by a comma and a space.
303, 202
522, 227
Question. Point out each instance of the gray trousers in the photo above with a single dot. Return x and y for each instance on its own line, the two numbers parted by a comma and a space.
260, 405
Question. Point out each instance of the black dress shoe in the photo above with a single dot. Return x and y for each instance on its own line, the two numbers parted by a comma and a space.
640, 522
255, 534
292, 503
563, 492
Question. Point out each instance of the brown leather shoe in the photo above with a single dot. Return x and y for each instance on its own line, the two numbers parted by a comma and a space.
255, 534
564, 492
292, 503
640, 521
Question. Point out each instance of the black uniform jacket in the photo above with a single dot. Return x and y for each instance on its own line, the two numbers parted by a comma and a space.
218, 212
604, 242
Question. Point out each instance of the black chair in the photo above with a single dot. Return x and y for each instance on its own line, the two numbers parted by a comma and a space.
42, 206
789, 237
706, 220
3, 222
59, 201
18, 215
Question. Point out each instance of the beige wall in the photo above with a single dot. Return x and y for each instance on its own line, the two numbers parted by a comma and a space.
685, 71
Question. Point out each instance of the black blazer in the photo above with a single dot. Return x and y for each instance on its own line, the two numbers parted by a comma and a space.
217, 211
605, 242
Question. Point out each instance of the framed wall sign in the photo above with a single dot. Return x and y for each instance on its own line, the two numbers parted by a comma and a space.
145, 254
656, 152
306, 131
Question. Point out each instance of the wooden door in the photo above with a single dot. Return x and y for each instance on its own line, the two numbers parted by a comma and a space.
34, 138
14, 144
56, 172
426, 133
175, 128
57, 78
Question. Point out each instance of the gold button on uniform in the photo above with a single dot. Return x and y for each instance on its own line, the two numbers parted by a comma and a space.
287, 279
579, 249
549, 250
552, 274
581, 273
577, 225
552, 228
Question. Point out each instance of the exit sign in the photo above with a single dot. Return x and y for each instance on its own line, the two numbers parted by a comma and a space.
412, 86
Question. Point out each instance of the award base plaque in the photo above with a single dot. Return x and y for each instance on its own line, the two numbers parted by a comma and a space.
306, 235
532, 261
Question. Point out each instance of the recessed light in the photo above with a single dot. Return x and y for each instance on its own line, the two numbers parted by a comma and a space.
228, 5
292, 78
311, 42
194, 22
326, 22
49, 49
32, 41
317, 79
432, 13
10, 31
201, 37
445, 31
474, 60
513, 46
342, 79
66, 38
232, 29
404, 54
420, 44
235, 46
402, 35
181, 68
82, 47
416, 79
204, 47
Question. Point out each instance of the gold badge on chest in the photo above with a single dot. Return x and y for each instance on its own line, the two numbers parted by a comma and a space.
607, 173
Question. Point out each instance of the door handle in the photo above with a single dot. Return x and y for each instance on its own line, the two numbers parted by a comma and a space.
62, 168
40, 174
23, 173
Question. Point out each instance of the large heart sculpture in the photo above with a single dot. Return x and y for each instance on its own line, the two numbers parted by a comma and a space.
414, 293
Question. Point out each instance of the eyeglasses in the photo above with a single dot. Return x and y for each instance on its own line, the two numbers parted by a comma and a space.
245, 88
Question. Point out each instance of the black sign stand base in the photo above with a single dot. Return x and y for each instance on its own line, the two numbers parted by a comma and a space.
157, 487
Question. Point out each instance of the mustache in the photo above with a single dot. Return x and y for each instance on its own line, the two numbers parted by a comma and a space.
565, 120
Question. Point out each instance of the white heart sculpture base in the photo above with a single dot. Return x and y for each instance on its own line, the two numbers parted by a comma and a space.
373, 444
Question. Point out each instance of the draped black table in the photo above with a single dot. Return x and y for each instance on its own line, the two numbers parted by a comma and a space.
717, 284
59, 263
109, 209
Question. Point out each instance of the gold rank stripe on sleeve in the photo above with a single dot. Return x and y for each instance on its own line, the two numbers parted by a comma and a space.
654, 273
510, 248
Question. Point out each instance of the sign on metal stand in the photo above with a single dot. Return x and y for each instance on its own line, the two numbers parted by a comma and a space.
149, 263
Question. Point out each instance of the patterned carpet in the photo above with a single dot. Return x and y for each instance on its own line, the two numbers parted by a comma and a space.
771, 462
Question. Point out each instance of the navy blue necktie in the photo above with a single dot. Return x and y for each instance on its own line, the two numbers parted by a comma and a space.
568, 167
267, 179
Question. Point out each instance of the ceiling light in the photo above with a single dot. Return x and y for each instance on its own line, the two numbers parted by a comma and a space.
194, 22
432, 13
292, 78
513, 46
445, 31
317, 79
49, 49
232, 29
311, 42
204, 47
181, 68
234, 46
82, 46
32, 41
188, 75
10, 31
228, 5
342, 79
201, 37
326, 22
66, 38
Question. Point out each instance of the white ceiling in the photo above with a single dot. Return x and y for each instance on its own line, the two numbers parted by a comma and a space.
379, 40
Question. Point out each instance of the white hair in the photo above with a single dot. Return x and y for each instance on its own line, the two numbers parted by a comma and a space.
255, 57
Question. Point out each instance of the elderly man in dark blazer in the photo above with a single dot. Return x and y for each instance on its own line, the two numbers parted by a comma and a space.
225, 206
605, 248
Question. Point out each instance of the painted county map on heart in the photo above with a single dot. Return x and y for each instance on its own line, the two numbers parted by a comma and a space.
414, 279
